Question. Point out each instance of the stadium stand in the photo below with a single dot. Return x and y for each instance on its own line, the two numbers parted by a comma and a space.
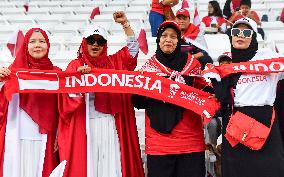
65, 21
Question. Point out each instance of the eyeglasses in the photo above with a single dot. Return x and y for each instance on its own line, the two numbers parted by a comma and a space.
100, 41
247, 33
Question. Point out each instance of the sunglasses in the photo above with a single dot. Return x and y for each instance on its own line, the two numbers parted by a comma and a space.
247, 33
100, 41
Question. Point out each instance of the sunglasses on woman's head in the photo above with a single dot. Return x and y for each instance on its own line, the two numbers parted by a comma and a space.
247, 33
91, 40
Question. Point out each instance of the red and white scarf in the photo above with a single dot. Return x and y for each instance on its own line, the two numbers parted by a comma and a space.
191, 68
113, 81
266, 66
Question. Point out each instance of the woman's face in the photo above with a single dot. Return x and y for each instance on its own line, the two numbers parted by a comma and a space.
241, 42
95, 45
168, 41
210, 9
37, 46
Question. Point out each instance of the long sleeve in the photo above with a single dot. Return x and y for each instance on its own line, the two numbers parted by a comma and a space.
133, 46
122, 59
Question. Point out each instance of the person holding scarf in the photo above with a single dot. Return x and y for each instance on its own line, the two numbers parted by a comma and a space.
28, 122
97, 132
174, 136
254, 98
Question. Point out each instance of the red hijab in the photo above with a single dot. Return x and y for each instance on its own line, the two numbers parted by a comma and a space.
109, 103
42, 108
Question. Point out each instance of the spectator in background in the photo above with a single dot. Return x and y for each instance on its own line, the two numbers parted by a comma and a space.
190, 33
156, 16
245, 11
215, 18
230, 7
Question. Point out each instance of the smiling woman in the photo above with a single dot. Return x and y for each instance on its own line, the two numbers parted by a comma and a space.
174, 135
28, 149
37, 46
168, 41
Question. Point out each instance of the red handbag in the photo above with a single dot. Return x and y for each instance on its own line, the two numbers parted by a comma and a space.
247, 131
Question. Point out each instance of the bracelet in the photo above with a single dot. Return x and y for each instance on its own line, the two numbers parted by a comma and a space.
126, 25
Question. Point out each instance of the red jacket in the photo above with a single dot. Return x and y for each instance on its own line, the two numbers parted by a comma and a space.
72, 139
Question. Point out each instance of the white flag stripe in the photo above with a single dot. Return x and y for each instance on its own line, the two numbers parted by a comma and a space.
38, 84
25, 75
59, 170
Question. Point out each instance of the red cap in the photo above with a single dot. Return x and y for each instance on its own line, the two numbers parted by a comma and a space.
166, 24
183, 12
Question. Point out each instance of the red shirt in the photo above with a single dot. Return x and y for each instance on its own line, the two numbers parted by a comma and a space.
156, 7
256, 17
207, 21
186, 137
191, 32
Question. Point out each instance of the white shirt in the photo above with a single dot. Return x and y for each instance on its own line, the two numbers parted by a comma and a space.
29, 130
257, 90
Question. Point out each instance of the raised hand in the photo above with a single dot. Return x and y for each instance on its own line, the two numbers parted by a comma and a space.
119, 17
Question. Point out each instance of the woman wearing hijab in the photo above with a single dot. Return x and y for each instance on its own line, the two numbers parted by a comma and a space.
174, 136
254, 98
97, 132
28, 149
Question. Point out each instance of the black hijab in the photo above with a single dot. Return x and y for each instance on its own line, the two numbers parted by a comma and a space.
223, 88
177, 59
165, 116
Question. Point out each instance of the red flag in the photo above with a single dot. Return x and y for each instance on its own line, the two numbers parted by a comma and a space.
26, 6
196, 19
142, 40
282, 15
184, 4
96, 11
15, 42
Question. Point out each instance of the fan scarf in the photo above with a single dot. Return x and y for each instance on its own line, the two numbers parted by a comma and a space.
273, 65
113, 81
